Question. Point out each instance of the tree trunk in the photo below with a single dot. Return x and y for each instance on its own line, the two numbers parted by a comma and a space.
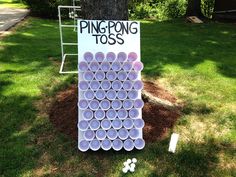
105, 9
194, 8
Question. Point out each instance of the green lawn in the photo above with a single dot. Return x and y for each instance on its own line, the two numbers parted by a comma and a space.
195, 62
12, 4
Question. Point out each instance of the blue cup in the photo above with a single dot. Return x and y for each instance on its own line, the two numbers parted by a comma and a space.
128, 123
94, 145
83, 66
100, 94
117, 124
99, 56
110, 56
128, 145
88, 75
94, 85
127, 85
116, 66
94, 124
117, 144
133, 133
122, 94
83, 85
83, 104
111, 114
106, 85
105, 104
94, 66
87, 114
89, 94
133, 113
112, 134
123, 133
122, 75
111, 75
106, 144
94, 105
106, 124
105, 66
138, 85
127, 104
111, 95
132, 94
132, 56
83, 125
83, 145
89, 135
138, 123
100, 134
122, 114
138, 103
139, 143
116, 85
99, 114
132, 75
121, 57
116, 104
127, 66
100, 75
88, 56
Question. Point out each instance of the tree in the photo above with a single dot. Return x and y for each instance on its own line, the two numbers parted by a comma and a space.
194, 8
105, 9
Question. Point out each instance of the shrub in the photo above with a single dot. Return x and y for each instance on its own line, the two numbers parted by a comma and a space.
207, 7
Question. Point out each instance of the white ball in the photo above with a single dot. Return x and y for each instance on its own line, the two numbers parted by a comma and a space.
125, 163
131, 170
134, 160
125, 170
132, 165
129, 161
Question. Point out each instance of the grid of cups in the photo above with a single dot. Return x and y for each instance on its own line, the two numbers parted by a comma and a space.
109, 102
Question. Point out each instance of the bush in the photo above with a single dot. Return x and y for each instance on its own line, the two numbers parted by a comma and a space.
45, 8
207, 7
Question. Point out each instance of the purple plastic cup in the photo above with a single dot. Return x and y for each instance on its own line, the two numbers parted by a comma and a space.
94, 66
99, 114
138, 123
128, 123
111, 56
88, 56
133, 133
116, 124
127, 66
100, 94
94, 105
83, 125
116, 66
105, 104
83, 104
116, 85
88, 75
83, 85
99, 56
106, 124
122, 94
132, 56
132, 94
116, 104
112, 134
123, 133
122, 75
99, 75
106, 144
138, 85
94, 145
122, 114
83, 145
111, 95
111, 114
139, 143
133, 113
138, 66
128, 145
111, 75
100, 134
88, 114
117, 144
121, 57
106, 85
127, 85
138, 103
105, 66
94, 124
83, 66
89, 135
132, 75
89, 94
94, 85
127, 104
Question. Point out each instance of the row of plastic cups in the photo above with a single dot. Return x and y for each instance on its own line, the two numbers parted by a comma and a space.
116, 144
110, 56
106, 66
107, 85
106, 124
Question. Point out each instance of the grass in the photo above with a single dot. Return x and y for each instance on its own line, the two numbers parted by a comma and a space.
12, 4
195, 62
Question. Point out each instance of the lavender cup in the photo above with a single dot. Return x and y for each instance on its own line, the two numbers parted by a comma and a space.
100, 75
106, 144
94, 66
111, 95
99, 56
132, 94
116, 104
121, 57
138, 85
123, 134
83, 125
127, 104
132, 56
99, 114
88, 114
122, 114
139, 143
117, 144
89, 135
83, 85
111, 57
89, 94
83, 104
94, 145
112, 134
94, 85
88, 75
111, 75
117, 124
138, 103
83, 145
116, 66
83, 66
122, 75
106, 124
100, 134
88, 56
106, 85
94, 124
100, 94
105, 104
94, 105
132, 75
133, 133
111, 114
105, 66
127, 85
133, 113
138, 66
122, 94
128, 123
127, 66
138, 123
128, 145
116, 85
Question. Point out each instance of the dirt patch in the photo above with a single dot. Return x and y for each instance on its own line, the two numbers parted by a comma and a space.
63, 113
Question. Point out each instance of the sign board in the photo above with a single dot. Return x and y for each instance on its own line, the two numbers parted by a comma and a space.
109, 90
